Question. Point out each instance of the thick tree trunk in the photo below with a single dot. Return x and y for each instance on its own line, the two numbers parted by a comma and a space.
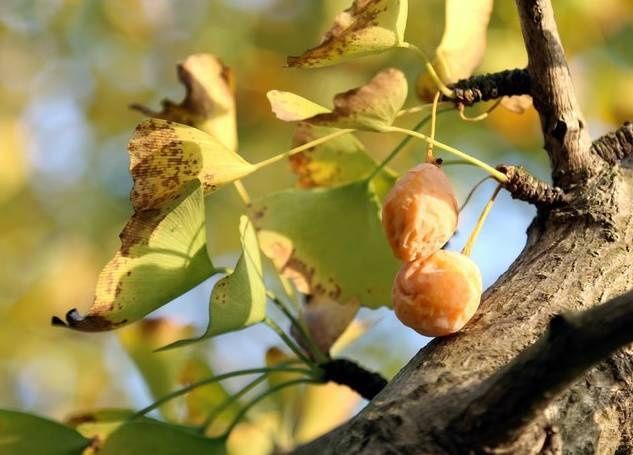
572, 261
577, 256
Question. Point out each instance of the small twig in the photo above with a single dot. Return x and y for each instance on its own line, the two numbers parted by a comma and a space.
342, 371
524, 186
517, 394
491, 86
615, 146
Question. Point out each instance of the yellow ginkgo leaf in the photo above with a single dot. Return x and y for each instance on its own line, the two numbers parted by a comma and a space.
462, 46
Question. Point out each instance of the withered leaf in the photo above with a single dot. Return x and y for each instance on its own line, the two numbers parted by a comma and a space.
209, 103
367, 27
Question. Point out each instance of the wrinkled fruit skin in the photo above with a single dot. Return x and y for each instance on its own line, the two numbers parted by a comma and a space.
420, 213
437, 296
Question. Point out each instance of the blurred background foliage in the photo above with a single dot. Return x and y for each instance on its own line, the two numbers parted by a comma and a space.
69, 70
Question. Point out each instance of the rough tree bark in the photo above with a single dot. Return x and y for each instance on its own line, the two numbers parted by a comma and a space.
579, 254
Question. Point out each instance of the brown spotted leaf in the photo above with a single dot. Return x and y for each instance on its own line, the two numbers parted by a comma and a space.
373, 106
165, 155
162, 255
209, 103
462, 46
367, 27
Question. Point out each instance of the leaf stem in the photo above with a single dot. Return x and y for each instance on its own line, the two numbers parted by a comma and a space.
263, 395
447, 92
301, 148
176, 393
228, 402
286, 339
499, 176
481, 116
243, 193
468, 248
429, 148
472, 192
318, 355
401, 145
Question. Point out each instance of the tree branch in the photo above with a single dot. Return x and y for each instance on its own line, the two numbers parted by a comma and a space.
491, 86
524, 186
345, 372
517, 394
566, 139
615, 146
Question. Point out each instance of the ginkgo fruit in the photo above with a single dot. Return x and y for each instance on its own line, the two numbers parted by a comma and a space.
438, 295
420, 213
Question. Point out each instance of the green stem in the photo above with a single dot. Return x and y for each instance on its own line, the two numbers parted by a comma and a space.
175, 394
319, 356
263, 395
491, 170
286, 339
301, 148
447, 92
228, 402
402, 144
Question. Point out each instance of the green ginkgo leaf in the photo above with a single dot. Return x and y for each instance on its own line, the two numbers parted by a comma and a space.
373, 106
329, 241
335, 162
209, 103
239, 299
157, 438
367, 27
165, 155
162, 255
22, 433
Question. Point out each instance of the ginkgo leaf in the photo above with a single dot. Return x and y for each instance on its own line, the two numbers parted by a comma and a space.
333, 242
239, 299
372, 107
209, 103
151, 437
326, 319
22, 433
462, 46
165, 155
517, 104
367, 27
162, 255
293, 108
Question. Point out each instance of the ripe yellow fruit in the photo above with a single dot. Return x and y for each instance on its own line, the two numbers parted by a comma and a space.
437, 296
420, 213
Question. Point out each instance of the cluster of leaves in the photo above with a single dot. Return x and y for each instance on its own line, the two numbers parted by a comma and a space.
325, 237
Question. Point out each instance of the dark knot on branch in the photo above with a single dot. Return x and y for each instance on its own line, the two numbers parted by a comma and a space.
615, 146
524, 186
491, 86
342, 371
